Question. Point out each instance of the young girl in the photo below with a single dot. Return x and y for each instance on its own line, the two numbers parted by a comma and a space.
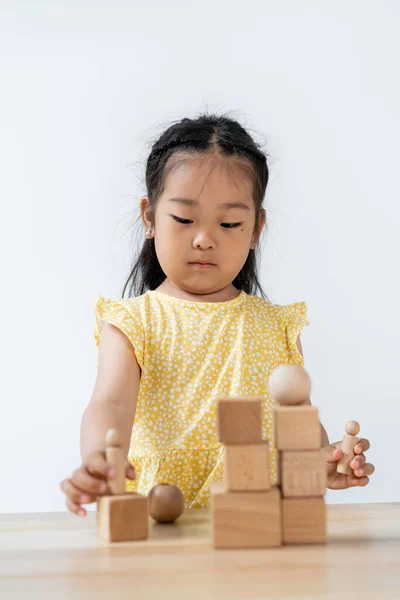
193, 328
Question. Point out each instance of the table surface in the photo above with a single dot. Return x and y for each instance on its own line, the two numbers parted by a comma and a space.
58, 555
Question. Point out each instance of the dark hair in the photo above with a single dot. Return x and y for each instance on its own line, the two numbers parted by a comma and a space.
206, 134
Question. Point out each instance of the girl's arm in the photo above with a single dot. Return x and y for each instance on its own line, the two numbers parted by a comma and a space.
113, 402
324, 435
333, 453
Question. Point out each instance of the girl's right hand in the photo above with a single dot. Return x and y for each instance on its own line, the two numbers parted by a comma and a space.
89, 481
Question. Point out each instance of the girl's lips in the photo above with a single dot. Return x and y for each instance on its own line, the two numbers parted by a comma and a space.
202, 266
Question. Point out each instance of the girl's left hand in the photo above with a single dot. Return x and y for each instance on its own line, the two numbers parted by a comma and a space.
362, 469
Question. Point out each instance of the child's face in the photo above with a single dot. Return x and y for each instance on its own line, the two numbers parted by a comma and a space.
204, 235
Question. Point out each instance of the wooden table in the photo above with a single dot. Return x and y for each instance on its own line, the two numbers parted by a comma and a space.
58, 555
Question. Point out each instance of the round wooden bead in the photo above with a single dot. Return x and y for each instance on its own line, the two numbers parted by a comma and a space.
289, 384
166, 502
352, 427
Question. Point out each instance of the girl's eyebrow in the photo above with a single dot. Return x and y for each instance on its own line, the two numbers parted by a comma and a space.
191, 202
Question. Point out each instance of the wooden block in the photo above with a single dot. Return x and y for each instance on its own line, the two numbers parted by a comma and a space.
304, 521
246, 467
297, 428
239, 419
245, 519
122, 518
303, 473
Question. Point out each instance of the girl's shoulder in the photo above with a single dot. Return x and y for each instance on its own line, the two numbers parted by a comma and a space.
291, 312
124, 313
284, 323
284, 313
103, 303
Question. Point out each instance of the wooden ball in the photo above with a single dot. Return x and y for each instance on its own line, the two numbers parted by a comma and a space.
352, 427
112, 438
166, 502
289, 384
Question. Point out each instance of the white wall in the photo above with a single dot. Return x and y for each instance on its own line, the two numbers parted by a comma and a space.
86, 87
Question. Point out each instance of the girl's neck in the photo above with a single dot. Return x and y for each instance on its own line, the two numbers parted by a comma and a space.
223, 295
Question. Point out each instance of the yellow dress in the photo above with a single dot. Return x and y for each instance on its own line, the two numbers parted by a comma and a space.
189, 353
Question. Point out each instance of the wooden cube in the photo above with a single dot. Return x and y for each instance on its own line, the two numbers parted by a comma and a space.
303, 473
245, 519
304, 521
239, 419
246, 467
123, 517
297, 428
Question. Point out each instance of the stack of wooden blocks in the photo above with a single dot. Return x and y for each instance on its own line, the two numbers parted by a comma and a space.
247, 511
246, 508
302, 474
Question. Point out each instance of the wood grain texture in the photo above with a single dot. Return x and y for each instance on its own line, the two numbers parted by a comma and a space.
123, 517
239, 419
297, 428
303, 521
246, 467
59, 555
303, 473
245, 519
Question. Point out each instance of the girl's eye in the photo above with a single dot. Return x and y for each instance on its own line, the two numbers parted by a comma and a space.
230, 225
186, 221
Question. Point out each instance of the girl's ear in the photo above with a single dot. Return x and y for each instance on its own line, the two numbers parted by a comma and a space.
261, 221
259, 226
145, 212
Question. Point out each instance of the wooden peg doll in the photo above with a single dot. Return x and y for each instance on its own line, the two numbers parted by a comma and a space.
348, 443
115, 457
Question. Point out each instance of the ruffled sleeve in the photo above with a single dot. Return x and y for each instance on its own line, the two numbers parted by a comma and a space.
125, 315
293, 318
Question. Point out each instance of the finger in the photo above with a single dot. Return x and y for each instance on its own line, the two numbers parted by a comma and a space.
358, 481
358, 461
97, 466
83, 480
367, 469
331, 453
337, 455
362, 446
75, 494
75, 508
130, 472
